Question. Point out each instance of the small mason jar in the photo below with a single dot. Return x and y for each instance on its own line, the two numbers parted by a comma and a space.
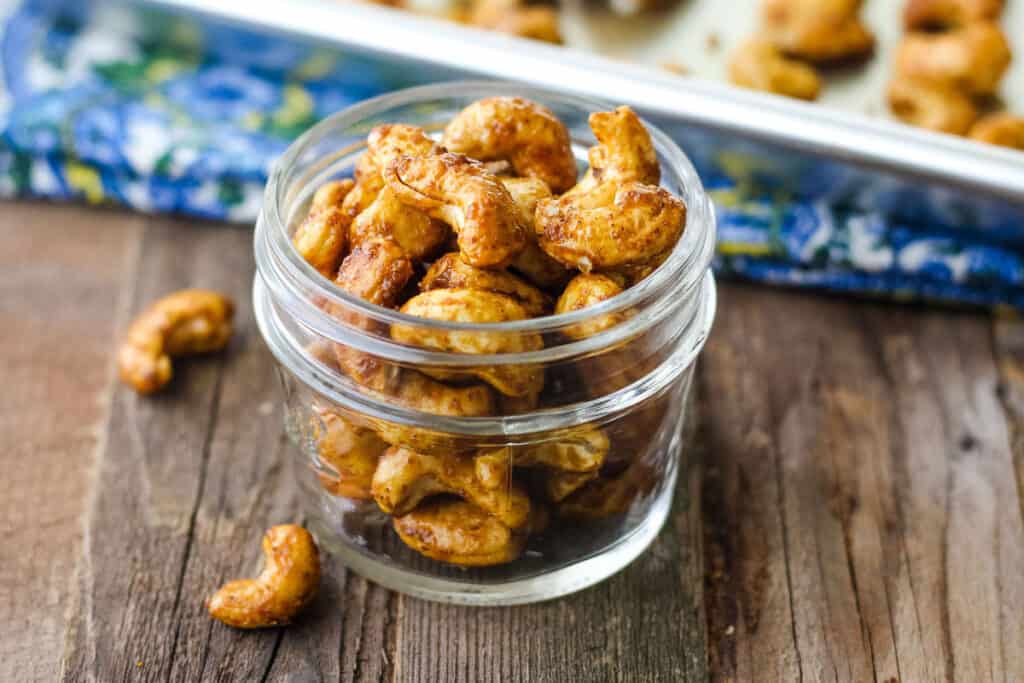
490, 498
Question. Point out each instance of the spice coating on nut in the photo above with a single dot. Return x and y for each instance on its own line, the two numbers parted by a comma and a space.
186, 322
288, 582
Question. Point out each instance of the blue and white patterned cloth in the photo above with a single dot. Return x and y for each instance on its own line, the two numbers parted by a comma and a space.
158, 112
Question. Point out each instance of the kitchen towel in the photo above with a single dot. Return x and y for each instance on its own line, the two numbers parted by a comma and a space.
111, 102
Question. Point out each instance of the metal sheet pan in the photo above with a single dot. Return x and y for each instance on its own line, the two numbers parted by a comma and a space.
836, 151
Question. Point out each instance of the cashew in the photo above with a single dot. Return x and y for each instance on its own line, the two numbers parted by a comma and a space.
931, 105
624, 152
451, 272
288, 582
608, 495
971, 59
387, 142
419, 235
404, 478
185, 322
560, 485
516, 18
583, 450
321, 239
352, 451
817, 30
524, 132
947, 14
759, 65
459, 533
331, 195
474, 306
460, 191
534, 264
1003, 129
377, 270
583, 291
611, 227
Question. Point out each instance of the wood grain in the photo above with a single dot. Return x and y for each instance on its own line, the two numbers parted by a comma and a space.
850, 509
61, 300
862, 515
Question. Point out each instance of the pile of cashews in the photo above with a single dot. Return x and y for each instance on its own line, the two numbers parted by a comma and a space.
495, 225
948, 68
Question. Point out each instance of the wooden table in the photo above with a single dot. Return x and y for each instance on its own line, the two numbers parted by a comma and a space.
850, 510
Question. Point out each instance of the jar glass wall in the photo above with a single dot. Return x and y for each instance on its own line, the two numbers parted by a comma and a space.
551, 458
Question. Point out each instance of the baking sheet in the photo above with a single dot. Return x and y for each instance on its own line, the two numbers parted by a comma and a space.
702, 35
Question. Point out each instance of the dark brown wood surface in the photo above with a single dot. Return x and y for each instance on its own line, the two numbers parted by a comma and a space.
850, 509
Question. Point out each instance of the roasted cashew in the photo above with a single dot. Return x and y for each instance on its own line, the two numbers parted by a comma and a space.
331, 195
971, 59
534, 264
516, 18
288, 582
404, 478
387, 142
560, 485
378, 270
321, 239
583, 291
931, 105
624, 152
352, 451
451, 272
583, 450
759, 65
612, 227
524, 132
608, 495
460, 191
947, 14
185, 322
474, 306
817, 30
419, 235
1003, 129
459, 533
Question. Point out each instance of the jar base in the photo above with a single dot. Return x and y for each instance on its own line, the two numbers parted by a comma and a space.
545, 586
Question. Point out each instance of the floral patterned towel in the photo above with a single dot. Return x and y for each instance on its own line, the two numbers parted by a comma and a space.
113, 103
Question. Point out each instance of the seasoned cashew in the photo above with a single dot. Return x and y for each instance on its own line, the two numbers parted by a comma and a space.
583, 291
532, 262
514, 17
946, 14
817, 30
185, 322
931, 105
971, 59
460, 191
608, 495
331, 195
474, 306
459, 533
611, 227
377, 270
524, 132
1003, 129
560, 485
451, 272
583, 450
419, 235
352, 451
387, 142
404, 478
288, 582
624, 152
759, 65
321, 239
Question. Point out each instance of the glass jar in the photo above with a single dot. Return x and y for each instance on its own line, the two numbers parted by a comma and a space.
554, 491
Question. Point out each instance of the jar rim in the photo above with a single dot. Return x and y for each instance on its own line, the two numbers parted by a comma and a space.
291, 278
